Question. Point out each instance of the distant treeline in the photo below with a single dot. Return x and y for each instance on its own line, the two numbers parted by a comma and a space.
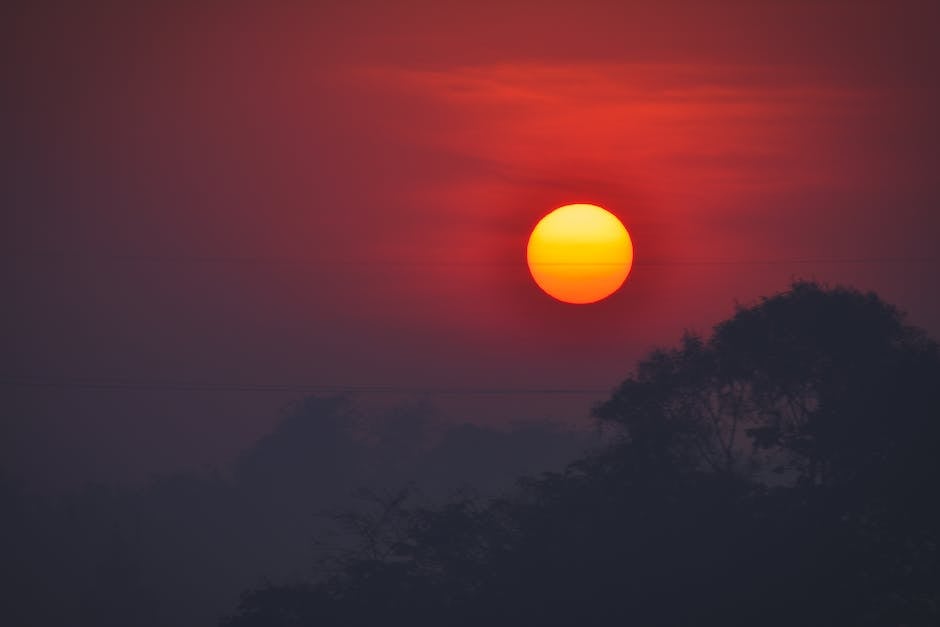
782, 472
177, 551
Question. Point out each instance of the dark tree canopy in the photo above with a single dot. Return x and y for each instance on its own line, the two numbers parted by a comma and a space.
781, 472
818, 385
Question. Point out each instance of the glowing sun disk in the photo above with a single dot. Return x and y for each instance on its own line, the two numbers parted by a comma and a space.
579, 253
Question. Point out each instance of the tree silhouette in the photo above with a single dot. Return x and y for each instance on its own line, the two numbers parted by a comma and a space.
819, 384
779, 472
179, 549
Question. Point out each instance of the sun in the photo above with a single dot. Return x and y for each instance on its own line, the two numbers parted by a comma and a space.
579, 253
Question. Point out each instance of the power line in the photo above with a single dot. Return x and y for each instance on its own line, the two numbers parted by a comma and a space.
204, 386
757, 262
334, 261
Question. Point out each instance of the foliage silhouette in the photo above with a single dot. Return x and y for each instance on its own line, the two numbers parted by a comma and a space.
781, 472
178, 550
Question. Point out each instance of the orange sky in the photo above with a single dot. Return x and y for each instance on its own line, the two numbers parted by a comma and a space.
341, 194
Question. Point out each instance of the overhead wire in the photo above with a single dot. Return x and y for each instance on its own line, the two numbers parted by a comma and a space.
206, 386
334, 261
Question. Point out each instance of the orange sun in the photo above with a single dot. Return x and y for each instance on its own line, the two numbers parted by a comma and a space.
579, 253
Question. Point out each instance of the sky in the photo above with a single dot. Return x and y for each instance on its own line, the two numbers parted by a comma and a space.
212, 208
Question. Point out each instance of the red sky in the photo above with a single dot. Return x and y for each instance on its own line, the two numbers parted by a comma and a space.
339, 194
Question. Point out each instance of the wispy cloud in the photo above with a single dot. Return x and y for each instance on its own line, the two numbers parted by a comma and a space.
673, 127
